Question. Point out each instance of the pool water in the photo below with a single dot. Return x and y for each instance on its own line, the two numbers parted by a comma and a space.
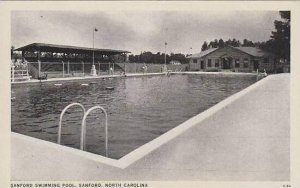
139, 108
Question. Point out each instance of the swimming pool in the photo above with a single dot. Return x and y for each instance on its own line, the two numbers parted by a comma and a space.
139, 108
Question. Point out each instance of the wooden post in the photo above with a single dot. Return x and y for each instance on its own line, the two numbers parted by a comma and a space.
13, 72
68, 67
113, 68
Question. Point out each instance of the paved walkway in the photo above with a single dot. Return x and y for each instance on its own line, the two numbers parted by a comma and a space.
84, 78
245, 139
61, 80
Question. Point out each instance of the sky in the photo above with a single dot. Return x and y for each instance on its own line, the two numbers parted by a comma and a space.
140, 31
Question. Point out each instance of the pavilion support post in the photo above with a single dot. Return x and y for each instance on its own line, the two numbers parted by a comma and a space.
113, 67
63, 69
68, 67
109, 68
82, 68
52, 56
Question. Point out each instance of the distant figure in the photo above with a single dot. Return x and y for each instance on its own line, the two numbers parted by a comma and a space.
144, 69
44, 77
111, 70
265, 73
168, 73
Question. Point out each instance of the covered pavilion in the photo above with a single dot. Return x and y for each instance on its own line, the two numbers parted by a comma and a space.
54, 57
49, 52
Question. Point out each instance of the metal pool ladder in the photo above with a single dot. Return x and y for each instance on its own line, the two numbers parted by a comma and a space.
83, 125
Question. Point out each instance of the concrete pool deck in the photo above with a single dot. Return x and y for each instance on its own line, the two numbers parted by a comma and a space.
244, 137
84, 78
65, 79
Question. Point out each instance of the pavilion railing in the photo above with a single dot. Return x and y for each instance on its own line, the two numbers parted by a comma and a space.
19, 72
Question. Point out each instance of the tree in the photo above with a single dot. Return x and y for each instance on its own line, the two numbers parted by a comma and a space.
281, 36
221, 43
248, 43
235, 43
216, 43
204, 46
228, 42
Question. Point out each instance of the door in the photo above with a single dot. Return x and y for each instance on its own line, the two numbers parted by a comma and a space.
226, 63
255, 64
202, 64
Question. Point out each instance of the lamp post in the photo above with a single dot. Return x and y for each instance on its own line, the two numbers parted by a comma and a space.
93, 70
165, 68
99, 68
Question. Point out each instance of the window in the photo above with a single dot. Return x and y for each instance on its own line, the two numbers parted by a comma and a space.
266, 60
217, 63
237, 63
209, 63
195, 60
246, 62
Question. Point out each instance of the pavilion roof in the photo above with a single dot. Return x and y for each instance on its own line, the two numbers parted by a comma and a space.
43, 47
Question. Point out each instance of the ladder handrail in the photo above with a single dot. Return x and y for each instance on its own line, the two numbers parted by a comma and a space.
83, 128
61, 116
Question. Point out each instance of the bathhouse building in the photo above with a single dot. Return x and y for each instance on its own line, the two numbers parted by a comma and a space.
238, 59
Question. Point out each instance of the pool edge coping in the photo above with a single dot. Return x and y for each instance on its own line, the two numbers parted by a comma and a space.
68, 79
154, 144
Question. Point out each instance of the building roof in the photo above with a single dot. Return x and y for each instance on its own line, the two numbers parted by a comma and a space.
256, 52
67, 49
202, 53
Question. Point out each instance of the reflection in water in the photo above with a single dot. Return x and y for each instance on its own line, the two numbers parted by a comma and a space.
139, 109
